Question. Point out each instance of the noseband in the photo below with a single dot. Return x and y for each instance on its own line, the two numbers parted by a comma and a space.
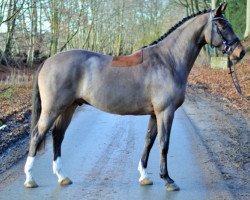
228, 49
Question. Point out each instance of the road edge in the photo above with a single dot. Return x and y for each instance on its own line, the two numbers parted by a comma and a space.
212, 176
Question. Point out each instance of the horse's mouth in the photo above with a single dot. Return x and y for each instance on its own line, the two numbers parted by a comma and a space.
235, 59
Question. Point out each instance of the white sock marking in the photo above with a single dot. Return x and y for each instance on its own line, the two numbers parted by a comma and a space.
142, 171
57, 169
28, 168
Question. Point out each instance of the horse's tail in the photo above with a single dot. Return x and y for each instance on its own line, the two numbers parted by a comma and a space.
36, 106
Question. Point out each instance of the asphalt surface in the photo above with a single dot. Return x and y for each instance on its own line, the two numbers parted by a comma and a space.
100, 154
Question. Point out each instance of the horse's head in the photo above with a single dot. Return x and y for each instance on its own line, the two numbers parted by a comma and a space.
220, 34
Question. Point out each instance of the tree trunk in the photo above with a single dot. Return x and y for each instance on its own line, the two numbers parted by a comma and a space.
187, 7
93, 22
40, 23
213, 4
11, 28
118, 50
54, 28
192, 6
196, 3
33, 34
247, 32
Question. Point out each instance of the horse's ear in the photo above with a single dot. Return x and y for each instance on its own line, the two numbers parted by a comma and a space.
220, 10
224, 6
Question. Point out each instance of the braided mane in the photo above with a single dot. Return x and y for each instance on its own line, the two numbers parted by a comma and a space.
176, 26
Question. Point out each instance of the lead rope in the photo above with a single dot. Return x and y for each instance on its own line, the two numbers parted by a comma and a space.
235, 79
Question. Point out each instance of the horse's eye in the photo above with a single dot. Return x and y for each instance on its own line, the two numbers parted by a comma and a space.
224, 27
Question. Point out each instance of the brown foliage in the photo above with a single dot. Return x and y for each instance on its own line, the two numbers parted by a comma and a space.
219, 83
14, 99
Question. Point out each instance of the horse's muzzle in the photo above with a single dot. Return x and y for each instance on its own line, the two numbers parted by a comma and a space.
238, 53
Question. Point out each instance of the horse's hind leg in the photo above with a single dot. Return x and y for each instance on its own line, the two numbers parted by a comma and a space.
149, 141
38, 135
58, 132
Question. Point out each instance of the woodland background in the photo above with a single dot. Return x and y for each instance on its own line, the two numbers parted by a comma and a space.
32, 30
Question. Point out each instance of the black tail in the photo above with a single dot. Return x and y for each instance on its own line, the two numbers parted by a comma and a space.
36, 106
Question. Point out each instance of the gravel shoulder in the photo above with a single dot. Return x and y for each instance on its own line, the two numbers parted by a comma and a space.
225, 133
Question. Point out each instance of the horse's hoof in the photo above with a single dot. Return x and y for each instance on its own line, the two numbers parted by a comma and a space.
65, 181
146, 181
172, 187
30, 184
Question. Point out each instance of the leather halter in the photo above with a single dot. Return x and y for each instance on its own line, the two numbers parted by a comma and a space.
228, 49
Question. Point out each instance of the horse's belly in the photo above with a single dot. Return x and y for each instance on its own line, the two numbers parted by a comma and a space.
124, 108
121, 104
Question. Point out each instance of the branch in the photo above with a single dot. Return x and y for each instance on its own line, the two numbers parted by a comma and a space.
181, 3
72, 36
87, 38
13, 15
206, 4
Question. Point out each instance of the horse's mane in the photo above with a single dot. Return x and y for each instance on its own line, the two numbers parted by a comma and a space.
176, 26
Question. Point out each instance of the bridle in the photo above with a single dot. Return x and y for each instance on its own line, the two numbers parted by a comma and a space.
229, 47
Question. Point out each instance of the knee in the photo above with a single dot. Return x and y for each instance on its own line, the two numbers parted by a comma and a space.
36, 138
42, 127
149, 142
44, 123
163, 147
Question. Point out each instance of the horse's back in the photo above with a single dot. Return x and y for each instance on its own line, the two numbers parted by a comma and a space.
76, 57
66, 64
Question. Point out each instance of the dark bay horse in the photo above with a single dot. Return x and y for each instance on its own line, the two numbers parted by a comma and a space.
150, 82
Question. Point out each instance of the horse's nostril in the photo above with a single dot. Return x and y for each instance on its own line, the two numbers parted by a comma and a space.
242, 54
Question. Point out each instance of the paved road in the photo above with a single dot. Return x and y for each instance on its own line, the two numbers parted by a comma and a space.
101, 153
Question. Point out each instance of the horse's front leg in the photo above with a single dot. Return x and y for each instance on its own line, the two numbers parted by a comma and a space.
149, 141
164, 124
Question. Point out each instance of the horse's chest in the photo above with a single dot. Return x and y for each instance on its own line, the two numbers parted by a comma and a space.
178, 96
169, 95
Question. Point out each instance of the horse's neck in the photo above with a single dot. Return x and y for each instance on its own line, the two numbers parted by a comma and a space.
182, 47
